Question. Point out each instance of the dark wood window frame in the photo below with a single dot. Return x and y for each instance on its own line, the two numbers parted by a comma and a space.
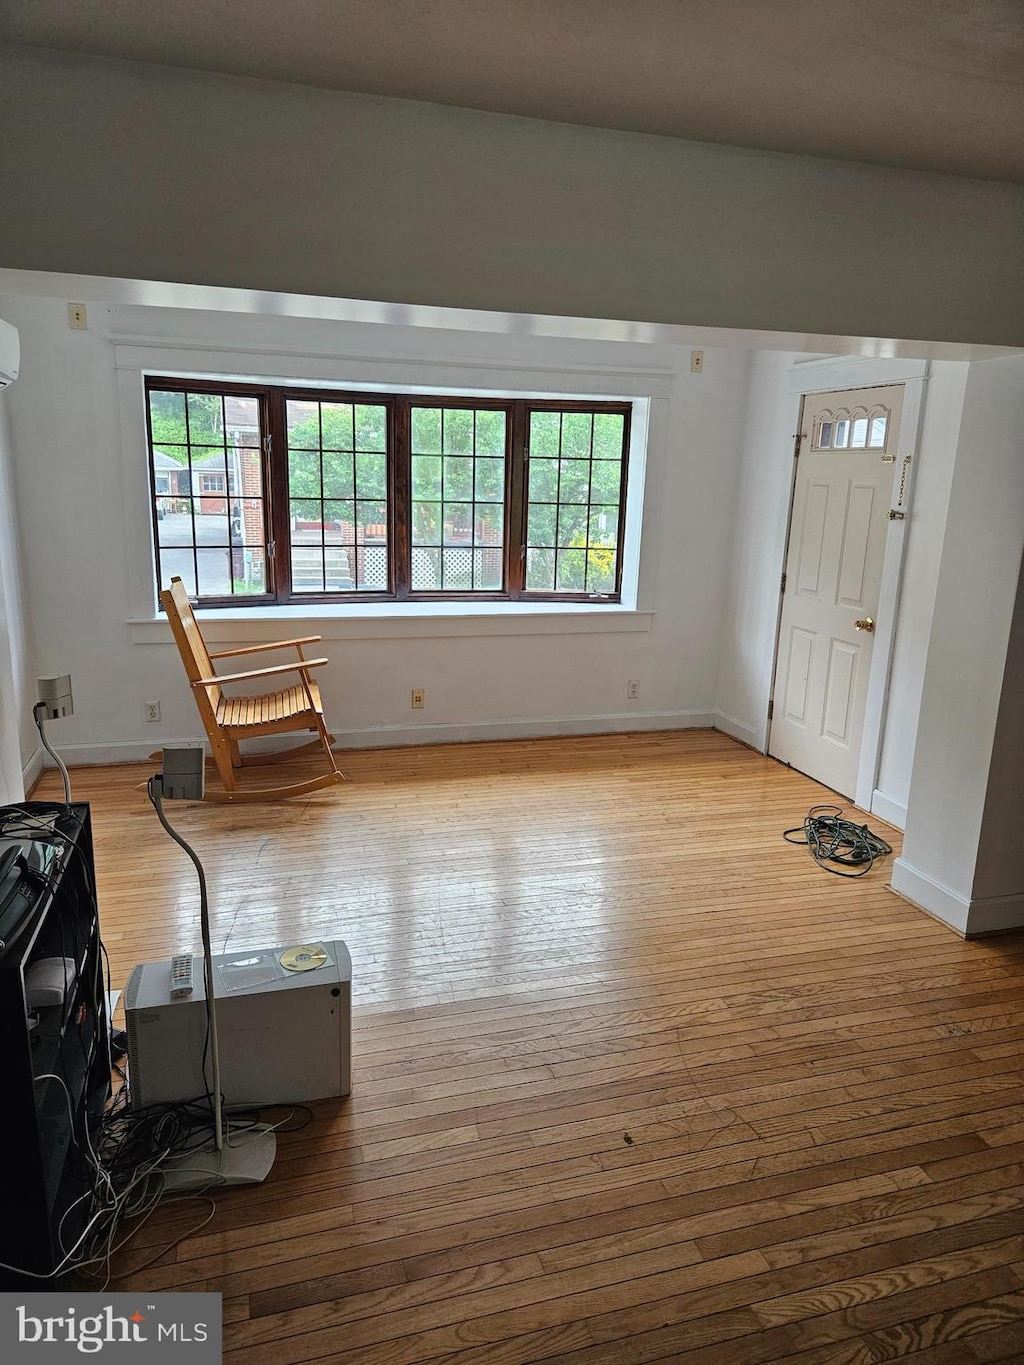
271, 401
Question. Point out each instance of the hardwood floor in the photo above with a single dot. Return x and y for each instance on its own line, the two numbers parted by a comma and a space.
633, 1080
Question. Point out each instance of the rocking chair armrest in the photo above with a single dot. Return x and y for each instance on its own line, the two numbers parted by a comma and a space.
298, 667
272, 644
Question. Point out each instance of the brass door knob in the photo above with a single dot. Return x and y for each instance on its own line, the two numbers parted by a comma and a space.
866, 623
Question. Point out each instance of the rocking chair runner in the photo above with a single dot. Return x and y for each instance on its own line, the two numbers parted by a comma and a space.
230, 719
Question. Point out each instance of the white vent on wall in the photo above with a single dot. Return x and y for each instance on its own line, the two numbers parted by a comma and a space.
10, 354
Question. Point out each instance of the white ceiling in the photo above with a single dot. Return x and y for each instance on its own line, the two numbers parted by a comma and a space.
929, 84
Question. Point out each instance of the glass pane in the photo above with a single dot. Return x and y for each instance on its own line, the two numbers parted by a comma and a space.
336, 426
458, 479
576, 429
245, 471
338, 576
604, 525
371, 427
178, 564
339, 475
541, 524
307, 568
825, 436
214, 572
572, 570
371, 476
859, 437
490, 521
426, 431
605, 481
456, 570
372, 520
247, 524
572, 526
175, 526
458, 523
544, 434
543, 480
841, 434
303, 424
373, 566
608, 432
601, 570
339, 522
426, 523
490, 433
205, 424
426, 569
242, 420
212, 522
878, 425
249, 569
458, 431
426, 476
490, 480
167, 417
305, 515
540, 570
575, 481
304, 473
487, 570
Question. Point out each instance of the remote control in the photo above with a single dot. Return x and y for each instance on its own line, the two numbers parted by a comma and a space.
181, 975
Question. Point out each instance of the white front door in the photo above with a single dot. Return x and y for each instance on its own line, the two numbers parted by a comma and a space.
837, 534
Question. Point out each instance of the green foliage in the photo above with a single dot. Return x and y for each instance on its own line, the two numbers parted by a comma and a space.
172, 431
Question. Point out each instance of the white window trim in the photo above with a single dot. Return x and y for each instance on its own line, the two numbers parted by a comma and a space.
648, 391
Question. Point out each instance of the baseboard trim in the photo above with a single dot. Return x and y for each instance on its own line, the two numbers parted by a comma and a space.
995, 915
927, 894
443, 732
746, 734
32, 770
886, 808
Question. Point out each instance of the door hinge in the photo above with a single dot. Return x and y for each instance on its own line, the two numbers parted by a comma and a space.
798, 441
271, 548
771, 709
782, 587
268, 442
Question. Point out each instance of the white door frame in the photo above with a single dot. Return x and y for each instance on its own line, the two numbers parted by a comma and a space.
823, 376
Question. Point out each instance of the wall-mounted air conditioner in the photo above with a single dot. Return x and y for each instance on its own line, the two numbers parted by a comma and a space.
10, 353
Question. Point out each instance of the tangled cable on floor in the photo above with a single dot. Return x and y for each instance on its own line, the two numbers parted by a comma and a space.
833, 840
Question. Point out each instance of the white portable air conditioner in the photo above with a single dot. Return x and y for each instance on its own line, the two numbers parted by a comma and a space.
10, 353
284, 1035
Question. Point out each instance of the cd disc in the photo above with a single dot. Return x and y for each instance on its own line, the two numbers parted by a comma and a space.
305, 958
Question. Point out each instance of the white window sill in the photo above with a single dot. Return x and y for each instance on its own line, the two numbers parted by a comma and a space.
378, 621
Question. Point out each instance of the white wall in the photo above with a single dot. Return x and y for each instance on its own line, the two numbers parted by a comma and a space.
17, 734
969, 694
940, 431
123, 169
85, 520
759, 537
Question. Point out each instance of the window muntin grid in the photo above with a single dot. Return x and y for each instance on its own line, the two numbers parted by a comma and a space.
458, 475
574, 494
337, 454
208, 491
315, 471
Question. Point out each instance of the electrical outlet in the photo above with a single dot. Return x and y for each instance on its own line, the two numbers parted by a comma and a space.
696, 362
76, 317
417, 699
152, 710
632, 689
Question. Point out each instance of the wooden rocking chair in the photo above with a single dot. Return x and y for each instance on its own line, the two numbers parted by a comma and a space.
230, 719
